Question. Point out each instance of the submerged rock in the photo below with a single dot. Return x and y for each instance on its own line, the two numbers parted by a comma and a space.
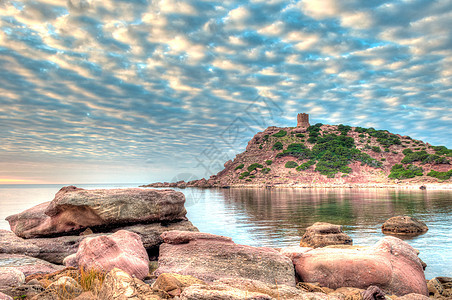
405, 225
391, 264
74, 209
210, 257
322, 234
123, 250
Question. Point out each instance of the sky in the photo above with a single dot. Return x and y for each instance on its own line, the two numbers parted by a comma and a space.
137, 91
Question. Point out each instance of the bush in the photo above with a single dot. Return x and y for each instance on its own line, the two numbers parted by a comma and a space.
360, 129
343, 129
399, 172
278, 146
260, 146
442, 150
265, 138
300, 135
376, 149
252, 176
407, 151
291, 164
440, 175
254, 166
362, 135
269, 162
239, 167
248, 179
383, 159
281, 133
306, 165
265, 170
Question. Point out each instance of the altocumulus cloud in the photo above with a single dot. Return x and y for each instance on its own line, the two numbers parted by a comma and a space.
140, 90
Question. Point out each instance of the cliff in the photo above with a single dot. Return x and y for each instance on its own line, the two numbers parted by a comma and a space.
328, 156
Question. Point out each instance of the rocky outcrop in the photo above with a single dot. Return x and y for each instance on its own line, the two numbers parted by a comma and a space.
27, 265
123, 250
5, 297
440, 287
210, 257
404, 225
391, 264
65, 287
11, 277
75, 209
56, 249
172, 285
322, 234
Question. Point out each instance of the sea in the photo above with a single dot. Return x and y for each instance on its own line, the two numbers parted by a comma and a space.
278, 217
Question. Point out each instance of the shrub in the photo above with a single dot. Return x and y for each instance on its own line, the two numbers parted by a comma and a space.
239, 167
399, 172
291, 164
300, 135
440, 175
376, 149
265, 138
442, 150
343, 129
360, 129
383, 159
252, 176
407, 151
254, 166
306, 165
281, 133
265, 170
268, 162
260, 146
362, 135
248, 179
278, 146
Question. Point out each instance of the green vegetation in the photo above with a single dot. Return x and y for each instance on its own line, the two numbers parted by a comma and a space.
383, 159
254, 166
442, 150
398, 171
248, 179
239, 167
423, 157
343, 129
296, 150
440, 175
314, 132
291, 164
265, 138
281, 133
278, 146
268, 162
360, 129
300, 135
252, 176
260, 146
306, 165
265, 170
376, 149
244, 174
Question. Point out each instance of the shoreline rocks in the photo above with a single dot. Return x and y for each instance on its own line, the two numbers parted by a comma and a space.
322, 234
404, 225
74, 209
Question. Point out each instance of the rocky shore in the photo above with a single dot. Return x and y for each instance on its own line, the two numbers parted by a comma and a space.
138, 244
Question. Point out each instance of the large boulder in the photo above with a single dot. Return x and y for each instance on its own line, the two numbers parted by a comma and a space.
404, 225
322, 234
27, 265
74, 209
210, 257
391, 264
56, 249
123, 250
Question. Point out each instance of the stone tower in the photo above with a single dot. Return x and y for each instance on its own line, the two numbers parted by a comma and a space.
303, 120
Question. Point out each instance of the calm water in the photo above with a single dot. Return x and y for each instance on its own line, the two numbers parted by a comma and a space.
278, 217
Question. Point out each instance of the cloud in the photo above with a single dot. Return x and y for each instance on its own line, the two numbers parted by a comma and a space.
158, 81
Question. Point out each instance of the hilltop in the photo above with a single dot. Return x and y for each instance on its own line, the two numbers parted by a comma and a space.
331, 155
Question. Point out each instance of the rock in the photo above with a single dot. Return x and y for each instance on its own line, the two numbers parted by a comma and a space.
310, 287
413, 296
5, 297
208, 292
210, 257
294, 251
66, 287
86, 296
279, 291
123, 250
322, 234
74, 210
348, 293
440, 287
51, 277
11, 277
173, 284
27, 265
373, 293
391, 264
12, 244
120, 285
56, 249
46, 295
18, 292
70, 261
405, 225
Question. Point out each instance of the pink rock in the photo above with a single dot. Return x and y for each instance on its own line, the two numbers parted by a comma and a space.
322, 234
27, 265
210, 257
5, 297
391, 264
294, 251
123, 250
10, 276
75, 209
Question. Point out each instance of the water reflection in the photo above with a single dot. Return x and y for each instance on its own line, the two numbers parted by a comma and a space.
278, 217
